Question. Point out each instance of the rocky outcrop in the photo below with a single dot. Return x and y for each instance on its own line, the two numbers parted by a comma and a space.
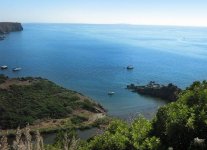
168, 92
6, 27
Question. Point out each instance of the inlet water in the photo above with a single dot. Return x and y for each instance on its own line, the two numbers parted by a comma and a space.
92, 59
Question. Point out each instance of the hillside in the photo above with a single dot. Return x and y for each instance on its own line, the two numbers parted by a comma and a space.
43, 104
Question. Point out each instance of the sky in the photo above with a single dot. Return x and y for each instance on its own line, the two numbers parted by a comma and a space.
144, 12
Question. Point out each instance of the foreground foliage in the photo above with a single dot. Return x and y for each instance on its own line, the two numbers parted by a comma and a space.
180, 125
26, 140
23, 141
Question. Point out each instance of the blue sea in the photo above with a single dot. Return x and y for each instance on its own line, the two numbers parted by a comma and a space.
92, 60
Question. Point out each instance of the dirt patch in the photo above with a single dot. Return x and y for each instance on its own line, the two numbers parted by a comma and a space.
9, 82
95, 117
92, 116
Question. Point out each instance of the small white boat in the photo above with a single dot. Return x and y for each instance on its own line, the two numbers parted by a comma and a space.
4, 67
111, 93
17, 69
130, 67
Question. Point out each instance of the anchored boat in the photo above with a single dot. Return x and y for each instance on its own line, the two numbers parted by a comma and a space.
130, 67
111, 93
4, 67
17, 69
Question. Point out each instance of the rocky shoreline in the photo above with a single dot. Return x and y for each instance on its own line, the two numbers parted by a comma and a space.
168, 92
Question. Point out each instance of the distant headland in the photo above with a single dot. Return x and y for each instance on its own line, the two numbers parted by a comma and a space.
7, 27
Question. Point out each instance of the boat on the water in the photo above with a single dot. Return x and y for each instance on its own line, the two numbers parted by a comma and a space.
17, 69
111, 93
4, 67
130, 67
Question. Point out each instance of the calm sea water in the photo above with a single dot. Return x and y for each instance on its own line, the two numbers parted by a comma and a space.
91, 59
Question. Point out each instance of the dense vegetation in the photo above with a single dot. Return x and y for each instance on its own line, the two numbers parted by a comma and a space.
181, 125
39, 99
176, 125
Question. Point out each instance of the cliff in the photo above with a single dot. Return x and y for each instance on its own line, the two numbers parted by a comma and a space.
6, 27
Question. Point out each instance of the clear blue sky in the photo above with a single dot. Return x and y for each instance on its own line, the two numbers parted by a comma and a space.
155, 12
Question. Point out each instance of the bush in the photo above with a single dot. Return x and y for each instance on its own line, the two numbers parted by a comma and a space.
178, 123
78, 119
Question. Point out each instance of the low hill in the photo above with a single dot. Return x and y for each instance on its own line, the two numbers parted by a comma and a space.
43, 104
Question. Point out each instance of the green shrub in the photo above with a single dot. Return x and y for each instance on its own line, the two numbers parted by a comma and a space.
78, 119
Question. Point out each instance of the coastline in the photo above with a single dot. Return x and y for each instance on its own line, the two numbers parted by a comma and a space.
168, 92
7, 27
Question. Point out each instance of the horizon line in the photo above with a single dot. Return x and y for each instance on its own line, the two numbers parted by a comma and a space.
129, 24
